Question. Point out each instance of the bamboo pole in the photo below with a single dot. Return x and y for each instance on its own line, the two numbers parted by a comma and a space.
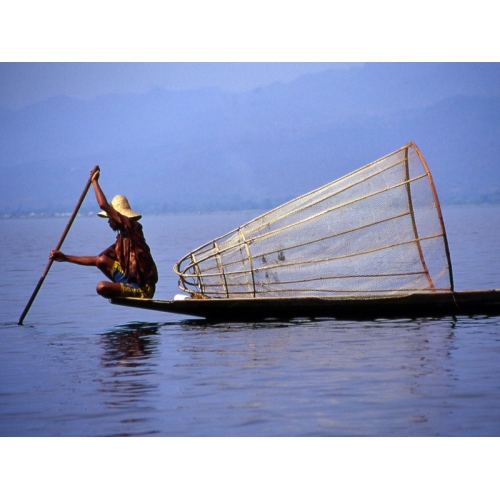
59, 244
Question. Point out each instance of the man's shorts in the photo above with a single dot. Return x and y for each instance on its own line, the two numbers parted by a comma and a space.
130, 289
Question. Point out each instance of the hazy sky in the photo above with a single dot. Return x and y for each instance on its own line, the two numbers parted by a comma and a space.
25, 83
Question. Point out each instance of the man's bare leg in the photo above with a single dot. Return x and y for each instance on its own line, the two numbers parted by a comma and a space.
109, 290
105, 265
105, 288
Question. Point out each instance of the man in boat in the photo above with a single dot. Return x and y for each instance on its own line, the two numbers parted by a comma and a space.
127, 262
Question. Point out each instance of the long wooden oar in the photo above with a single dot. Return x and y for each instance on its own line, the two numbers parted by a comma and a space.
59, 244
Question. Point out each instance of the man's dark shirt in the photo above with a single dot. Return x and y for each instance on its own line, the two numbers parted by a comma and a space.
133, 253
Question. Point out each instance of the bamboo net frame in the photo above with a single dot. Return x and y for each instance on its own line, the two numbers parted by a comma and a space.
376, 231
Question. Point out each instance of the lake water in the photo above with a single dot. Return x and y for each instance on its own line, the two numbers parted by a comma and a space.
80, 366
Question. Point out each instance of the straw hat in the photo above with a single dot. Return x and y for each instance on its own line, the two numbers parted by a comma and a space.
121, 205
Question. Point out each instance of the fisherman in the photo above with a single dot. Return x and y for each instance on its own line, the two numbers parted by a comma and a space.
127, 262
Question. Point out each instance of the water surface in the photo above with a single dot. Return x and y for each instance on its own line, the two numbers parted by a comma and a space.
80, 366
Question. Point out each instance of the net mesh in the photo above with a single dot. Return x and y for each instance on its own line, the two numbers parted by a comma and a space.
376, 231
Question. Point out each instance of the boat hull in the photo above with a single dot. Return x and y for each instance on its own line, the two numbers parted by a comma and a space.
438, 304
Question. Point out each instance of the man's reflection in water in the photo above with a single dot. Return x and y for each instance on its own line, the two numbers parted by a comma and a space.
130, 378
133, 341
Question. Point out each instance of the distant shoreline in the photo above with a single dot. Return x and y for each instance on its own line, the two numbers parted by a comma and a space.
65, 215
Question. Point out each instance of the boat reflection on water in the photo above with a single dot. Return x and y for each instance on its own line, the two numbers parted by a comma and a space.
386, 377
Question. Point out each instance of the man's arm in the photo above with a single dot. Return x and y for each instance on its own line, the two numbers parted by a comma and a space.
58, 256
101, 198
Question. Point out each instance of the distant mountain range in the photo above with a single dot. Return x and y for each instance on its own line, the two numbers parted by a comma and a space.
214, 150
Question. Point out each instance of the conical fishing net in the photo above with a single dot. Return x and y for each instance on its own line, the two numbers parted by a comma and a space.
376, 231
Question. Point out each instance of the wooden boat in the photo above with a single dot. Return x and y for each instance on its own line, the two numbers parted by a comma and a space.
371, 244
418, 305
